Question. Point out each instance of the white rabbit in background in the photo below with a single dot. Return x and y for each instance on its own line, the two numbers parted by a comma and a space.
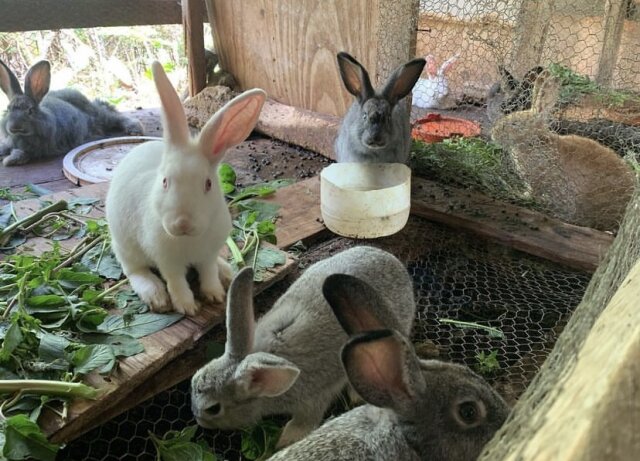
432, 91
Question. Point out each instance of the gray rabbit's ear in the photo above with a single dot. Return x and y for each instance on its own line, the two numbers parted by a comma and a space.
37, 80
357, 306
355, 77
264, 375
384, 369
509, 80
9, 82
240, 320
546, 91
402, 80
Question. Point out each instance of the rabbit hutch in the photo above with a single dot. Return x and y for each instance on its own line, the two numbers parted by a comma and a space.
523, 237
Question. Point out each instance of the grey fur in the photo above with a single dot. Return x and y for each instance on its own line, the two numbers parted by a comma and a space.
376, 127
413, 411
40, 124
300, 331
510, 94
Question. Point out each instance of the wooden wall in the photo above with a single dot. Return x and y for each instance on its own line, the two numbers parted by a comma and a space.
288, 47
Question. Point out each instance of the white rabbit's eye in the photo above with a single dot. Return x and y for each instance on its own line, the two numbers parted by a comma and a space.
165, 183
207, 185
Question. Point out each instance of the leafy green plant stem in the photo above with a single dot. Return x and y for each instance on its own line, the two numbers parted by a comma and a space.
78, 252
108, 291
8, 231
235, 252
44, 387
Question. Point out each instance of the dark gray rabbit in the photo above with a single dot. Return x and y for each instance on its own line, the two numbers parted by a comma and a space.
510, 94
376, 127
289, 361
39, 123
417, 409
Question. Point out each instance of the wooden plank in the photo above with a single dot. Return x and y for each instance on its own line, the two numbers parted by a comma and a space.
304, 128
288, 47
20, 16
516, 227
596, 413
192, 17
534, 21
615, 12
300, 218
34, 173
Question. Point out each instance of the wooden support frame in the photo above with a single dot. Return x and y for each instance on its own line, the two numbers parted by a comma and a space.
193, 14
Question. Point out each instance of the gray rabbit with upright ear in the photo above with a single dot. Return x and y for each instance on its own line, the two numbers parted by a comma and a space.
376, 127
418, 409
289, 361
39, 123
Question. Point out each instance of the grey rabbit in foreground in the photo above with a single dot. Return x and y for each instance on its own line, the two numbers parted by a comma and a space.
417, 409
376, 127
40, 124
289, 361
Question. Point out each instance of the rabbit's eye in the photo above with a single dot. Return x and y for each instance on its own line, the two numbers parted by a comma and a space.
469, 413
30, 111
365, 116
207, 185
165, 183
214, 409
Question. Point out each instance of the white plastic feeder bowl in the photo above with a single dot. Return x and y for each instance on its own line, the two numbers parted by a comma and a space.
365, 200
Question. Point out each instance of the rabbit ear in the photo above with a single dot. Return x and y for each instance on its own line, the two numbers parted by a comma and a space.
355, 77
448, 64
509, 80
545, 93
175, 121
9, 82
354, 303
432, 67
37, 80
240, 320
231, 124
265, 375
383, 368
402, 80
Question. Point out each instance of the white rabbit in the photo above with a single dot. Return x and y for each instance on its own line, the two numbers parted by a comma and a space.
288, 362
165, 208
432, 91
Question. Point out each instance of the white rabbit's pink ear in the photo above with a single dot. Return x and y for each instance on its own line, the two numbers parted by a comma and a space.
9, 83
431, 67
176, 130
37, 80
448, 64
232, 124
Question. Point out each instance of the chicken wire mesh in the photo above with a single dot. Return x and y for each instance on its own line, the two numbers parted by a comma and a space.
475, 300
553, 85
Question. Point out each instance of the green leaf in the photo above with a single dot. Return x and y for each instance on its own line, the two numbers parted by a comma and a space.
46, 301
177, 446
88, 358
71, 278
105, 264
6, 215
259, 442
123, 346
24, 439
265, 211
227, 178
12, 339
38, 190
141, 324
52, 347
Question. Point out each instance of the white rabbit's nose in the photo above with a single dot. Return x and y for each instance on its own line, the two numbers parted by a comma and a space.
182, 226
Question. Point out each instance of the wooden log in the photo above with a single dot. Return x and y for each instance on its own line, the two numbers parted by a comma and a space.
525, 230
192, 17
534, 20
597, 412
614, 16
288, 47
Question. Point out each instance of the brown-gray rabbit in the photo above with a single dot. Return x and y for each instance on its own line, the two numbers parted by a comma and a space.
417, 409
376, 127
289, 361
39, 123
578, 179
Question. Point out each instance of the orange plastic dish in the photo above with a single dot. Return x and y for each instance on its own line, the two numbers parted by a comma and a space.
435, 128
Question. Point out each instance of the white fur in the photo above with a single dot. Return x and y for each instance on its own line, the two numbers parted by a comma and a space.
432, 91
182, 225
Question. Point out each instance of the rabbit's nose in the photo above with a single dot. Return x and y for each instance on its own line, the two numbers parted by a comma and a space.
183, 226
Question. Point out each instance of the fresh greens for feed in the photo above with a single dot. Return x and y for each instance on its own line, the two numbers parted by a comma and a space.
259, 442
178, 446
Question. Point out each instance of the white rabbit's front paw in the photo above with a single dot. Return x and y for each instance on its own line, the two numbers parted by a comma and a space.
213, 290
151, 290
181, 296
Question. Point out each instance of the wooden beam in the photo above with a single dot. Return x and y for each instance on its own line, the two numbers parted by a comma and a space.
614, 17
512, 226
597, 412
25, 15
193, 13
533, 23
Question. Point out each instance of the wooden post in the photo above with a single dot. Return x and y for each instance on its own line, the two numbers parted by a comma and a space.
531, 33
192, 18
614, 16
